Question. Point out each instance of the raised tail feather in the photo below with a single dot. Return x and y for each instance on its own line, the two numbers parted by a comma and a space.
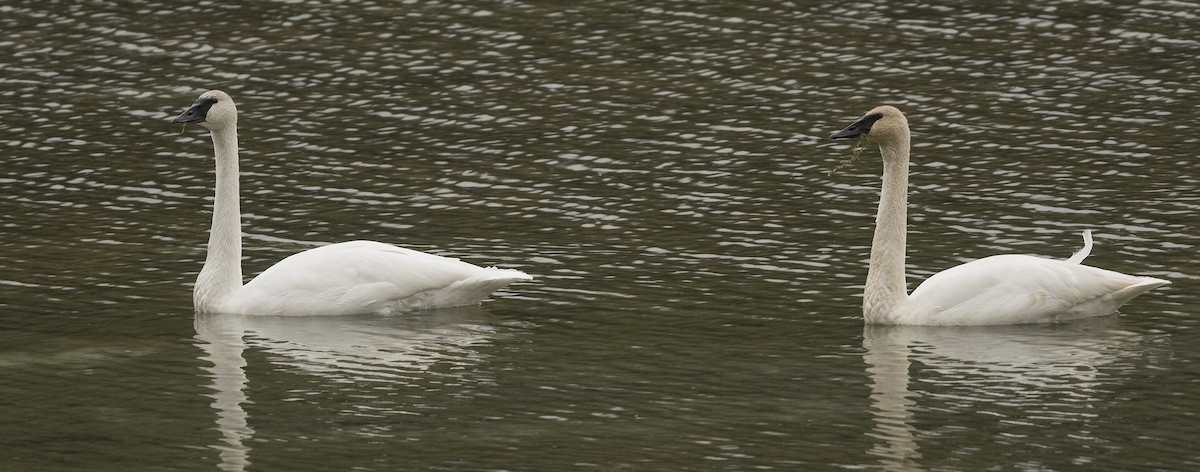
1082, 254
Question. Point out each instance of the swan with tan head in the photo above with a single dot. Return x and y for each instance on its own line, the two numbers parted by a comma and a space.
355, 277
1004, 289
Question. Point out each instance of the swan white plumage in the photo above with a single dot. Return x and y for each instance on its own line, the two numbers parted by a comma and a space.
1005, 289
355, 277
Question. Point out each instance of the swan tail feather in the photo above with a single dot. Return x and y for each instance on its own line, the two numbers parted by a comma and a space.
510, 275
1082, 254
1143, 285
474, 290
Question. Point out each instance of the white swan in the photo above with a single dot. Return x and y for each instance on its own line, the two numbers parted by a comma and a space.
354, 277
1005, 289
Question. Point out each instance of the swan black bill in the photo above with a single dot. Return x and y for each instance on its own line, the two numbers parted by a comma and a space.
195, 113
858, 127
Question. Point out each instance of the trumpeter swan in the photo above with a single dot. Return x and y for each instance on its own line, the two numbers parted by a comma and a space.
1005, 289
355, 277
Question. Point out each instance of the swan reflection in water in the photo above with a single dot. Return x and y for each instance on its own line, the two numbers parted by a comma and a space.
1052, 370
368, 348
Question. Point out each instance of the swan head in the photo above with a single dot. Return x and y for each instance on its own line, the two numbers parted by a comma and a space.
884, 125
213, 110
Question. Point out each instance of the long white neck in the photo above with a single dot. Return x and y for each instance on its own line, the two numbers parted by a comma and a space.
886, 294
221, 276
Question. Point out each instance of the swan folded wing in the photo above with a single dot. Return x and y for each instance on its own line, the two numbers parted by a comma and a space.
370, 277
1012, 289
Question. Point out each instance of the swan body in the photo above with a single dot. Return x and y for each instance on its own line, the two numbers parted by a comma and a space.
355, 277
1004, 289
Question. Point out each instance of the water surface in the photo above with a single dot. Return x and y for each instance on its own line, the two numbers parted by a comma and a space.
660, 168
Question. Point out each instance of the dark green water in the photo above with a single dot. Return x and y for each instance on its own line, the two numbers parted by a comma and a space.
660, 168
